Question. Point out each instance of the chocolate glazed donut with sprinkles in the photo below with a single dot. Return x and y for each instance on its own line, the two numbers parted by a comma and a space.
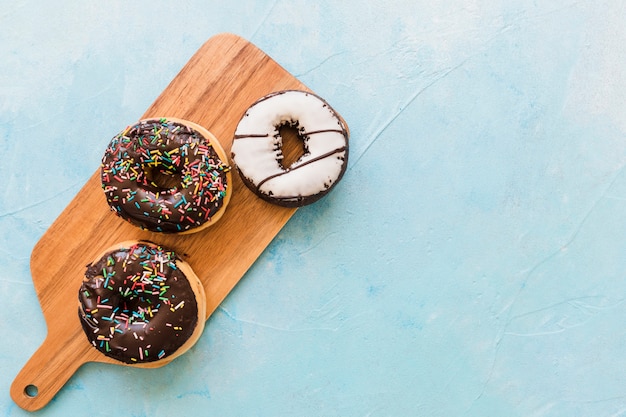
166, 175
140, 303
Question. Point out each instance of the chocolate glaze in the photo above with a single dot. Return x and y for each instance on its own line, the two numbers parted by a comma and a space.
136, 305
158, 147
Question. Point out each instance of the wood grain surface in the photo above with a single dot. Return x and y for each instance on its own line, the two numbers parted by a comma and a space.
213, 89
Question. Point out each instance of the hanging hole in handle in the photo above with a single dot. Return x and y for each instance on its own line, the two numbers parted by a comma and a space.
31, 390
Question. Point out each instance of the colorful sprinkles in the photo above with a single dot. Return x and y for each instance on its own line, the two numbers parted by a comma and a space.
136, 305
163, 176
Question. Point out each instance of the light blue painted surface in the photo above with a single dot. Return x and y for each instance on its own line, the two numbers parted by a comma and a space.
471, 262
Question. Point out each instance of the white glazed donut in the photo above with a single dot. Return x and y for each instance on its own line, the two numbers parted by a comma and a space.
257, 148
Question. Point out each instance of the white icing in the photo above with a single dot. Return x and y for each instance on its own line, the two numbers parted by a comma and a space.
258, 158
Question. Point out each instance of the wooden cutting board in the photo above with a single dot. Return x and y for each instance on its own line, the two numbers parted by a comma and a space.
213, 89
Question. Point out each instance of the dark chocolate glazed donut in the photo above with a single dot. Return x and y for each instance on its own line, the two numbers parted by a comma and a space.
166, 175
137, 305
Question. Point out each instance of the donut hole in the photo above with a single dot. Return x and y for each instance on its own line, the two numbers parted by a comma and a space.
144, 303
161, 178
293, 145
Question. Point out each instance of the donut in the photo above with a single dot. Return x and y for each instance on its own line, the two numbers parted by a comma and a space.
166, 175
257, 148
139, 304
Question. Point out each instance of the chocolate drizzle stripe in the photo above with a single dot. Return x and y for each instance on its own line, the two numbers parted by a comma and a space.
265, 135
253, 135
318, 158
313, 132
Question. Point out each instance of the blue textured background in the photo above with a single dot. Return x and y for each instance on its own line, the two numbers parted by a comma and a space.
471, 262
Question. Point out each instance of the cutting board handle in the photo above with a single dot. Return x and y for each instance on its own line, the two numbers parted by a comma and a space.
45, 373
